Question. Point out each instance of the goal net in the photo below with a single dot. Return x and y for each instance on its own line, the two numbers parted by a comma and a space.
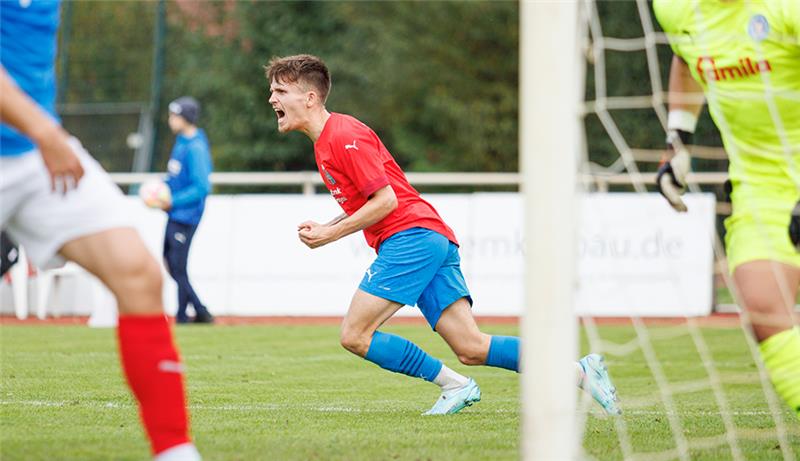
691, 387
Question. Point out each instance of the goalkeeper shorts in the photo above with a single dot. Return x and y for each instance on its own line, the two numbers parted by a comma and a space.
758, 228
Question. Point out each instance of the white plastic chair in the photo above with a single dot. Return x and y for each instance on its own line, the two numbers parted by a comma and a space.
104, 307
48, 281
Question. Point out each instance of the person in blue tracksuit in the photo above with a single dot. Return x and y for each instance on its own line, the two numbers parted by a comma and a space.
188, 173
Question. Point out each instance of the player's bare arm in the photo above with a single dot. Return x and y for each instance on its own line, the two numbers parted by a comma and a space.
684, 93
379, 205
337, 219
20, 111
306, 224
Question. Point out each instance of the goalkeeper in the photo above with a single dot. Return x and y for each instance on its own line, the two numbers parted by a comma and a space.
745, 58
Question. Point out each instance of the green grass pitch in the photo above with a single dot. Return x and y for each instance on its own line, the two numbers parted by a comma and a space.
261, 392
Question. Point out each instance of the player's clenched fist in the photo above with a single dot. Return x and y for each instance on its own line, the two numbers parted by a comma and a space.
315, 235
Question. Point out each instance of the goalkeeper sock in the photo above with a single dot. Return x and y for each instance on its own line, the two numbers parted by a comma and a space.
400, 355
155, 375
504, 353
781, 355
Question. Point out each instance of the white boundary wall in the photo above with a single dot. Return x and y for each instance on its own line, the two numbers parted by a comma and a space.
636, 256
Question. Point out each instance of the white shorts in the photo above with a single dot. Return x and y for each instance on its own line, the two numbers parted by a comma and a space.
43, 221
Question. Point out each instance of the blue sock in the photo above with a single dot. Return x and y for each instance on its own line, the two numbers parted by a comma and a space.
504, 353
400, 355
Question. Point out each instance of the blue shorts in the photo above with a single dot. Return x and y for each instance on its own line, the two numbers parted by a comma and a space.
418, 266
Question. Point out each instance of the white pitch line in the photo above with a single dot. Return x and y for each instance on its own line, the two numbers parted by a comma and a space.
345, 409
695, 413
248, 408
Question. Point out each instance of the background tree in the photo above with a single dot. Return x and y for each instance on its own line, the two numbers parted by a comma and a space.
438, 81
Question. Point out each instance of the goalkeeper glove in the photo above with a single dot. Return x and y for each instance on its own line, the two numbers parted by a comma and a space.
794, 227
671, 177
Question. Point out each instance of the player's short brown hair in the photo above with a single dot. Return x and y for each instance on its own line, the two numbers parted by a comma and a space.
303, 68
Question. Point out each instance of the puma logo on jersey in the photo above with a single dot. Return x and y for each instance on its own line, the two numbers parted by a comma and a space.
369, 275
351, 146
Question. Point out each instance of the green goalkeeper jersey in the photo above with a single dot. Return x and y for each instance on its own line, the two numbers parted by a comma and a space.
746, 56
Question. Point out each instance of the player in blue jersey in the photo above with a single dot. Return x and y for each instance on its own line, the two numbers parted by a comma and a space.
188, 168
59, 204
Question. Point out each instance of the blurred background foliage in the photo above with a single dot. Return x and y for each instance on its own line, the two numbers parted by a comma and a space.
437, 80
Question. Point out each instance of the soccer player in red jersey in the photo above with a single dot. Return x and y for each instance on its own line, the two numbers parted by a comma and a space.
418, 261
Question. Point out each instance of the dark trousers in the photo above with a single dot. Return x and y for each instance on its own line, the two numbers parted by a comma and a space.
177, 241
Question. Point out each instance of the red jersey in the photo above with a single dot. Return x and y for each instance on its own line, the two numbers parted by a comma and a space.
354, 163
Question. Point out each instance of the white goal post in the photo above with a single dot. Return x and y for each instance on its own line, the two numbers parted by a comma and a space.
551, 78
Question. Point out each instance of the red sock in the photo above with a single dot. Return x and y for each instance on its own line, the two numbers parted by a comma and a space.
155, 375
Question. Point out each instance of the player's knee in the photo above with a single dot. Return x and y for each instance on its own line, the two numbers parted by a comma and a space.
768, 305
354, 342
150, 274
765, 305
768, 309
139, 285
471, 355
471, 359
473, 352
